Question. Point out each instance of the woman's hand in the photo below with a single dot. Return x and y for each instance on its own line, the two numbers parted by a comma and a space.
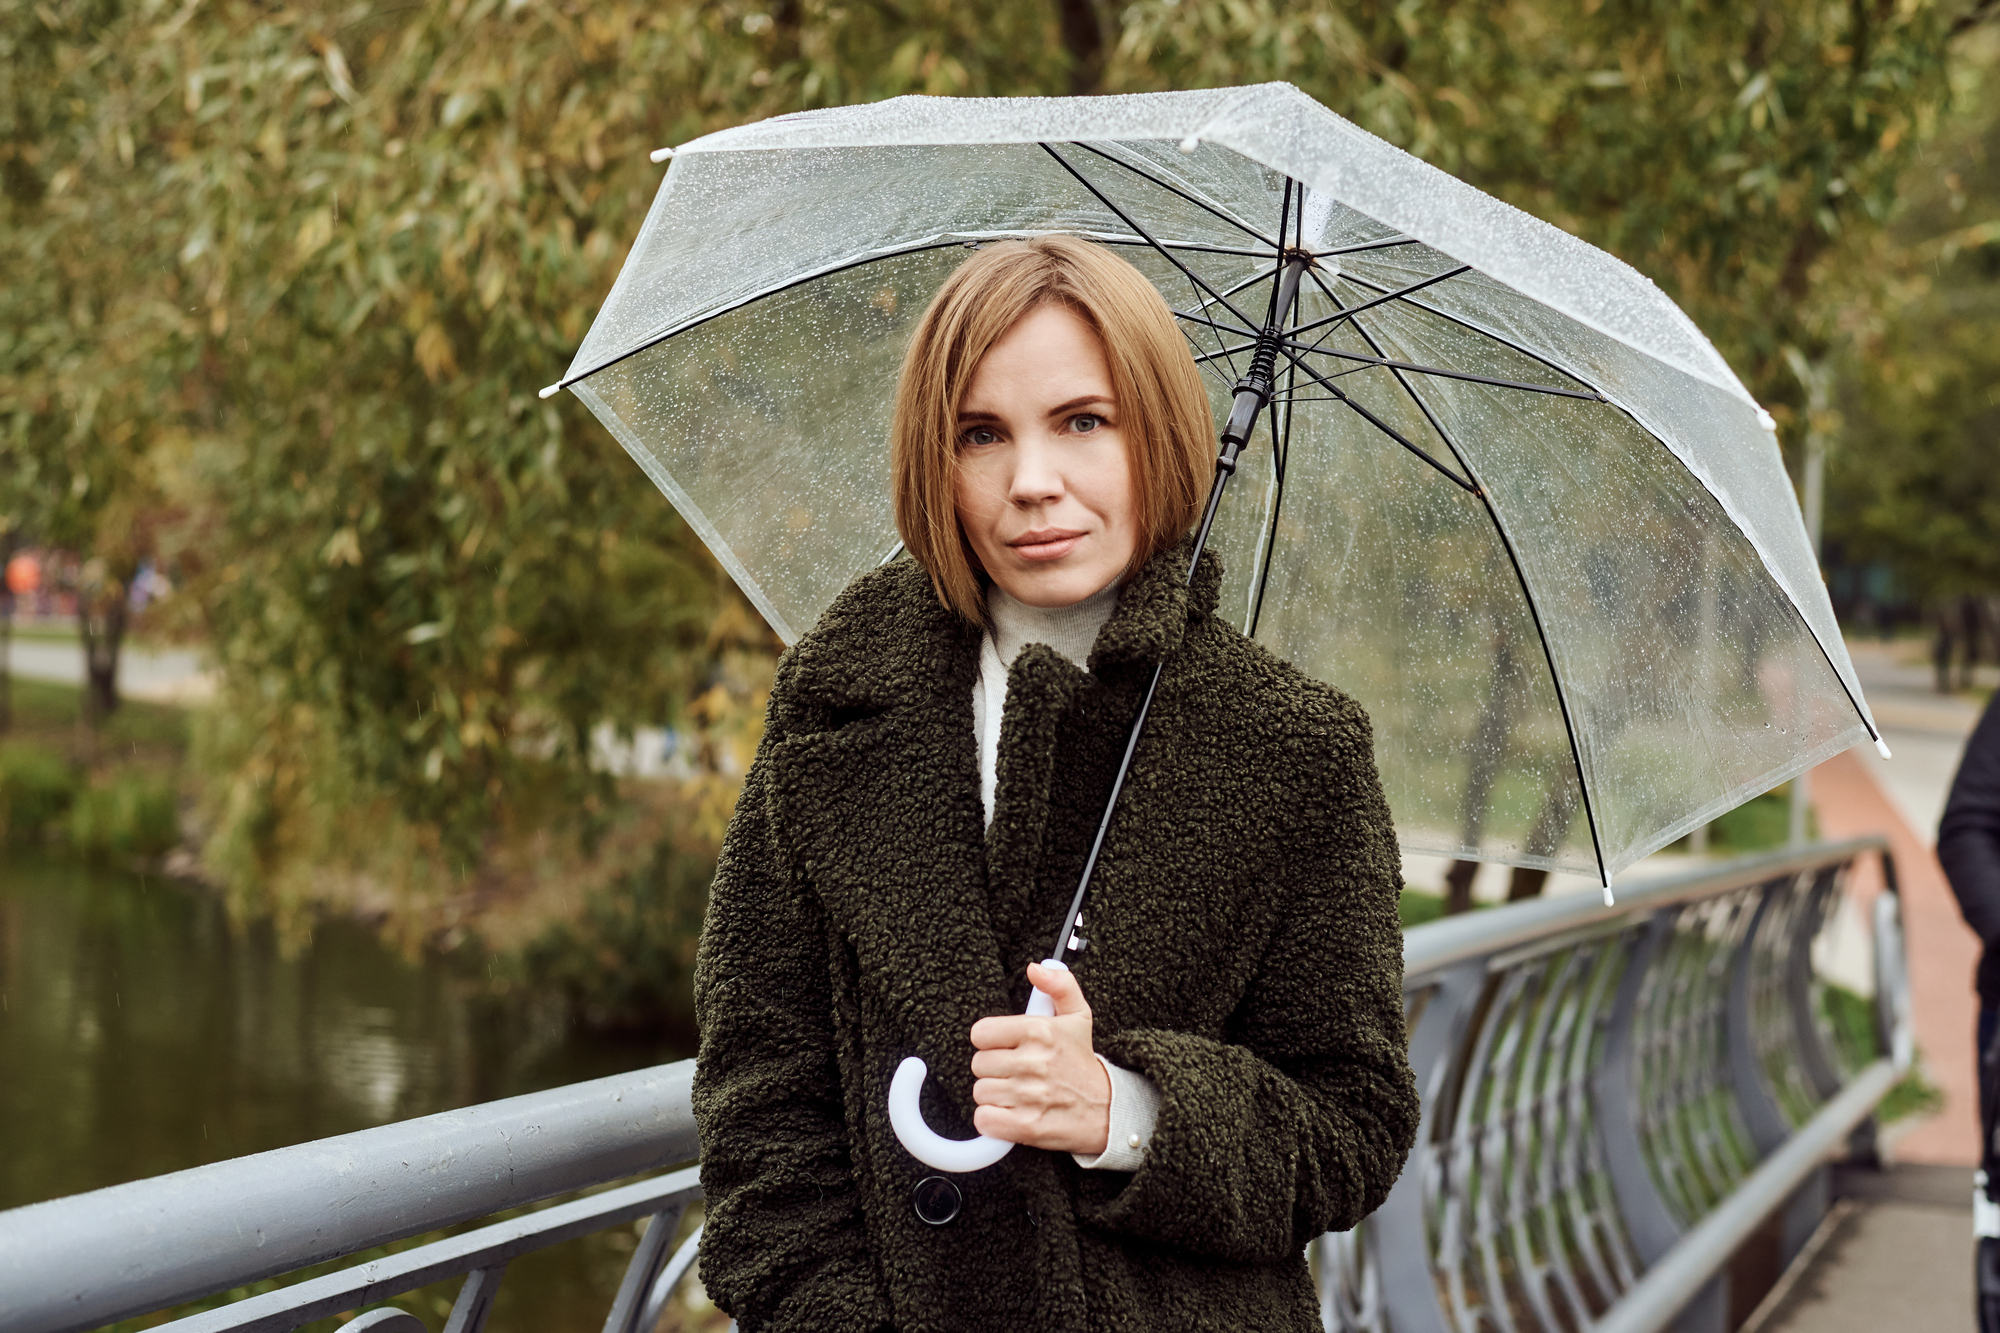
1040, 1082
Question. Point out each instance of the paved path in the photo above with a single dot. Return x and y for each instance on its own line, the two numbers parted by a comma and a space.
1859, 793
1896, 1253
166, 675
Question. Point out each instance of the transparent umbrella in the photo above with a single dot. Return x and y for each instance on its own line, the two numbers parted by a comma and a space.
1489, 480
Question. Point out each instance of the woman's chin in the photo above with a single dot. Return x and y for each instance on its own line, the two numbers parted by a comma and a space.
1057, 583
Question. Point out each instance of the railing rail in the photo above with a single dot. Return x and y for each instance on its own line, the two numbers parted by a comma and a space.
1614, 1098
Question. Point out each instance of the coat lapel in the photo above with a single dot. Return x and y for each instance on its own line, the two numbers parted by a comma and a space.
877, 794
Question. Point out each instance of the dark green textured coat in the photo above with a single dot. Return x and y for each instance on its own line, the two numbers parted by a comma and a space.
1243, 953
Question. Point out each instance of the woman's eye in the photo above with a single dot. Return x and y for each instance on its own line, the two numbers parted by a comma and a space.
980, 435
1085, 423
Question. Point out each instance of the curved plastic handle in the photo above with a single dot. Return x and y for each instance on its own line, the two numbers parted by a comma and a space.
906, 1117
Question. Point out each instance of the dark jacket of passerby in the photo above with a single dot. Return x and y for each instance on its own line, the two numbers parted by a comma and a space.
1969, 845
1243, 953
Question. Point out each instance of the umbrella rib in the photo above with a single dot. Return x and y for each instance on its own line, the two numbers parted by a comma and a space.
1377, 422
653, 340
1224, 352
1227, 352
1142, 233
1527, 593
1203, 204
1193, 318
1482, 331
1387, 363
1366, 245
1198, 247
1401, 293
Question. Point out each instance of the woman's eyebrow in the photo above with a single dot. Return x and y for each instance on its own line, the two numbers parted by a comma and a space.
1084, 401
967, 415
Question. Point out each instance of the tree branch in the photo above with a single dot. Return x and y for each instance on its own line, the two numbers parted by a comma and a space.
1981, 11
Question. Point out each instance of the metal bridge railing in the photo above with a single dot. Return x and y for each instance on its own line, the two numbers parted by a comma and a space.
1614, 1100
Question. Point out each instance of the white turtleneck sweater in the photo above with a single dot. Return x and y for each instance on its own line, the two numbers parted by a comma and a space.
1071, 631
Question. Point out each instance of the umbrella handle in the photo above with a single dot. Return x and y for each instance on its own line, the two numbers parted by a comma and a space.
906, 1117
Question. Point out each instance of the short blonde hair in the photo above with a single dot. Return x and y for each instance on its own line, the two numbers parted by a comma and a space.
1168, 427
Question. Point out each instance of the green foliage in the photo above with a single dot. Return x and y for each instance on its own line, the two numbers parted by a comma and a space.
627, 956
1415, 907
126, 816
1851, 1020
1757, 825
1741, 156
36, 789
284, 281
1915, 482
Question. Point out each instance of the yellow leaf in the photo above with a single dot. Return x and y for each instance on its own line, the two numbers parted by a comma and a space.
314, 233
343, 548
434, 353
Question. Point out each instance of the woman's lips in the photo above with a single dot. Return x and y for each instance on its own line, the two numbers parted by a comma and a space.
1046, 544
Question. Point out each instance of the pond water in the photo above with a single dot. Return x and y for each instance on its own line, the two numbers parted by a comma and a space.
140, 1033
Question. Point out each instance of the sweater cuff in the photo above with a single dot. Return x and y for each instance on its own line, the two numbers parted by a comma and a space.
1135, 1105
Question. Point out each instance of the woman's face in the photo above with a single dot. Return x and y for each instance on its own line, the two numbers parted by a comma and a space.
1044, 486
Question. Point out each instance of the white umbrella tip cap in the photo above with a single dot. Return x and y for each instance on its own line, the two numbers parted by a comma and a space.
550, 392
1609, 901
660, 154
1881, 747
1767, 421
1189, 144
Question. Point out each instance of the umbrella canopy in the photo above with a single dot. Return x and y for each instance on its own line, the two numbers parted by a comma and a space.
1503, 492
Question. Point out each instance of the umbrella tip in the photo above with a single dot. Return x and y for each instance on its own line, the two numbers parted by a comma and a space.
1767, 421
1189, 144
660, 154
1881, 747
551, 391
1609, 901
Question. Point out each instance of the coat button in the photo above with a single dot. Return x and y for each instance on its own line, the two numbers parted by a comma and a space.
937, 1200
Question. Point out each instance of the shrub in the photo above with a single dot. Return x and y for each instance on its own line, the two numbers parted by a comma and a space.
128, 815
36, 788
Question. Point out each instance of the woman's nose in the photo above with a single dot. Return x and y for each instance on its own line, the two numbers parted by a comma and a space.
1037, 477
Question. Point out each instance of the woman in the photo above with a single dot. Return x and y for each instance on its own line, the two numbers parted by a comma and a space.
935, 761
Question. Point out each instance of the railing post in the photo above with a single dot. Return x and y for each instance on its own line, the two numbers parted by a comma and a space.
1614, 1096
1814, 1057
653, 1251
1402, 1244
1761, 1115
475, 1300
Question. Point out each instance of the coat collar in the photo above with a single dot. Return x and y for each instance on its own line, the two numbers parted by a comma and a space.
887, 640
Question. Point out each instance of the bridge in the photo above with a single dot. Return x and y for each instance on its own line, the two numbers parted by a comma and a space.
1630, 1116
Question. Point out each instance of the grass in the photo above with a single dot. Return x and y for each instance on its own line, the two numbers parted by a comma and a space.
49, 716
1851, 1018
1416, 907
108, 793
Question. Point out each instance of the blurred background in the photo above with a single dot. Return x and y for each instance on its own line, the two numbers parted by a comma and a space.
368, 726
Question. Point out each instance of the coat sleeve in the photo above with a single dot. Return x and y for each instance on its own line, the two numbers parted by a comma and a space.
1299, 1121
784, 1246
1969, 834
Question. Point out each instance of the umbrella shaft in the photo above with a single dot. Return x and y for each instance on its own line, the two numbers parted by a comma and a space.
1253, 391
1253, 394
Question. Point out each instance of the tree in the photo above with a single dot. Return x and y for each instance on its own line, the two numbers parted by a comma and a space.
1914, 483
291, 278
86, 319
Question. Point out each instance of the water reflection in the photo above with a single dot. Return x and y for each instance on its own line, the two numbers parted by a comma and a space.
140, 1034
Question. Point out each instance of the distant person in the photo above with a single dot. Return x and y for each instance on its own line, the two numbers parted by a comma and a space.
1969, 848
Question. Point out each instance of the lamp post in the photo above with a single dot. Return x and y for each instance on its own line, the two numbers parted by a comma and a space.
1817, 377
